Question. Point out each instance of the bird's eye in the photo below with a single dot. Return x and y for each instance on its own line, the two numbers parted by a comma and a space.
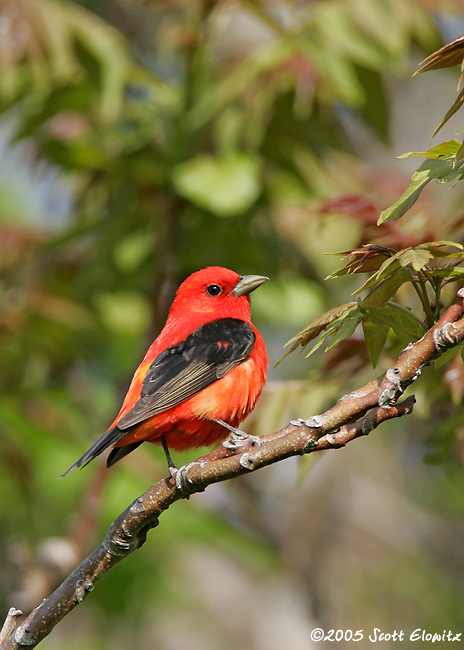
213, 290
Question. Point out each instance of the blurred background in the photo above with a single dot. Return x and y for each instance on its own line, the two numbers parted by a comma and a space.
139, 141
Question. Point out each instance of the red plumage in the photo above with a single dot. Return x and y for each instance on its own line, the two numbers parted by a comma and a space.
208, 363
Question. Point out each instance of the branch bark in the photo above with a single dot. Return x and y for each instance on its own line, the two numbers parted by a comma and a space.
354, 415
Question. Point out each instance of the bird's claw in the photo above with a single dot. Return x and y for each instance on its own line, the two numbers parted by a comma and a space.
184, 483
240, 438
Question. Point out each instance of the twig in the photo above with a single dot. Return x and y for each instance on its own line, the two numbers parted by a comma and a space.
10, 624
354, 415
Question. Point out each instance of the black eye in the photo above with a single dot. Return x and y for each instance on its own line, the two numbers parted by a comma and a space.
213, 290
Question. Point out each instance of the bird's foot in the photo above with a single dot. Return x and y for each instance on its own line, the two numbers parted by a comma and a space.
238, 438
184, 482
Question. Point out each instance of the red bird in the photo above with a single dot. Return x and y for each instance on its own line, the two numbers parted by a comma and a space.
201, 376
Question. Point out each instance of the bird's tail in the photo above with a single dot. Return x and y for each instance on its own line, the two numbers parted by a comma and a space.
111, 437
119, 452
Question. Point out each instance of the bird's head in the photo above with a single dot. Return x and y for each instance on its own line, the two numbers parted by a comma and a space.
215, 292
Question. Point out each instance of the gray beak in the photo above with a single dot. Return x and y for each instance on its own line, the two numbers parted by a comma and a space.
248, 283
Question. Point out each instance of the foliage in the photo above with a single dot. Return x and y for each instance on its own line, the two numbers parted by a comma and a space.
389, 269
377, 313
444, 161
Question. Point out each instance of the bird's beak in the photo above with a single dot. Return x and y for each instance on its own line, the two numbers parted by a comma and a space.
248, 283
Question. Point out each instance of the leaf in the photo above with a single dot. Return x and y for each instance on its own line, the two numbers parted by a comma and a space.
402, 322
340, 329
460, 153
318, 325
416, 258
442, 150
447, 356
362, 260
325, 325
355, 206
433, 245
440, 169
387, 289
225, 186
445, 272
447, 56
375, 336
348, 326
388, 268
451, 111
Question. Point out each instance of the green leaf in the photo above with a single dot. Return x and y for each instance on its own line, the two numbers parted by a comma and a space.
451, 111
415, 257
440, 169
402, 322
446, 357
436, 245
319, 325
443, 150
324, 336
375, 336
348, 326
339, 323
445, 272
387, 288
460, 153
225, 186
388, 268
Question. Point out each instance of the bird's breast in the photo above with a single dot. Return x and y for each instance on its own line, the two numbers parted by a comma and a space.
233, 396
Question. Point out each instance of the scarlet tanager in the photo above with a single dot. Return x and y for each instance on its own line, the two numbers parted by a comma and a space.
201, 376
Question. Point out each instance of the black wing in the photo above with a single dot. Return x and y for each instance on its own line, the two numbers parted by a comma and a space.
181, 371
176, 374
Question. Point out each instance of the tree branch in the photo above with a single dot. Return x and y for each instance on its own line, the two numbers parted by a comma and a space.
9, 625
354, 415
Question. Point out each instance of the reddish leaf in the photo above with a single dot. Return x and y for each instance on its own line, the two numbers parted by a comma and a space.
364, 259
352, 350
450, 54
352, 205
